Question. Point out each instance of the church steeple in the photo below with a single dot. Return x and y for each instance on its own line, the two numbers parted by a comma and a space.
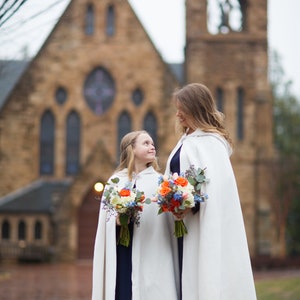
227, 50
225, 16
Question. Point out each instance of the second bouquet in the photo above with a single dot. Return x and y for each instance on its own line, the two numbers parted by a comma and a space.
177, 193
127, 203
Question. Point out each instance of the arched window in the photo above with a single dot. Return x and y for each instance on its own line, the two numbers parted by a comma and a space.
61, 95
150, 125
72, 143
89, 20
220, 99
5, 230
110, 21
22, 231
224, 16
38, 227
99, 90
124, 126
47, 143
137, 96
240, 113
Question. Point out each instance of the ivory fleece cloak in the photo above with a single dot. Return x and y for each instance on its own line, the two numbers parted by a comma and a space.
153, 269
216, 261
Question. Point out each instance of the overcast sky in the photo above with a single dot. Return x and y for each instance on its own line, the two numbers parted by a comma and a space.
164, 22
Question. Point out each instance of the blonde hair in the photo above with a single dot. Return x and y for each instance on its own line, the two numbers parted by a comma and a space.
197, 103
127, 155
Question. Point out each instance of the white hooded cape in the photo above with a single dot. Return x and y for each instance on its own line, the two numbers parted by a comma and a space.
153, 269
216, 262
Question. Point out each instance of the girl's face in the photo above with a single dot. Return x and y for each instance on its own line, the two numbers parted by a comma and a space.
144, 149
181, 115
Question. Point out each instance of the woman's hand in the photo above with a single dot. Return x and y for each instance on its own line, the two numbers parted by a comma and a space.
118, 222
182, 213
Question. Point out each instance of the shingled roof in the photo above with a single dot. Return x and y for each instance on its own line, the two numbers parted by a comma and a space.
39, 197
10, 72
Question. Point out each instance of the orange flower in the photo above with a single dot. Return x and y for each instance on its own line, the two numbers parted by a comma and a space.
181, 181
124, 193
165, 183
164, 190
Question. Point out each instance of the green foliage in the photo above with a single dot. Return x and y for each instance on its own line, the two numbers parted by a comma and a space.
115, 180
287, 142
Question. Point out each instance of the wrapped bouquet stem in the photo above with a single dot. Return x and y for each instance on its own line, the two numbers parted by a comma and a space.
124, 238
180, 228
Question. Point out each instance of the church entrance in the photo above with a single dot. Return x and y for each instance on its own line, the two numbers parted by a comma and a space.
87, 224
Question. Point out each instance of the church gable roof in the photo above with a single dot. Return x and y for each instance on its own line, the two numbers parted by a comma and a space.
38, 197
68, 32
10, 72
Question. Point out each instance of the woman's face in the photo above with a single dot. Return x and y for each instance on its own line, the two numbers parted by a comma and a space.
144, 149
181, 115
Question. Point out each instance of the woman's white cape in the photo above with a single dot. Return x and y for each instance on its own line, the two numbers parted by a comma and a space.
153, 269
216, 262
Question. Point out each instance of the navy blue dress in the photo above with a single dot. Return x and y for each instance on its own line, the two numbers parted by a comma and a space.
175, 168
124, 267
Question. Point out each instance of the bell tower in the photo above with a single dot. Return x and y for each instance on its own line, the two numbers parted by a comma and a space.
227, 50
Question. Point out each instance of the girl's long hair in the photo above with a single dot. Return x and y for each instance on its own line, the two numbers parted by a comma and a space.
127, 155
197, 103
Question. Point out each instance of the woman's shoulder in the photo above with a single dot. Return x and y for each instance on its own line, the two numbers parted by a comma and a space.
201, 138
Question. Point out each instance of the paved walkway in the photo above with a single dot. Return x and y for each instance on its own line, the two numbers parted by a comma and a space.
68, 281
46, 281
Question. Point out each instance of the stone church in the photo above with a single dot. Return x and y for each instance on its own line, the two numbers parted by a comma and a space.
98, 76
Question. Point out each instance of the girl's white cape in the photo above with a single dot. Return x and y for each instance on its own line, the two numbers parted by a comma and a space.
153, 268
216, 262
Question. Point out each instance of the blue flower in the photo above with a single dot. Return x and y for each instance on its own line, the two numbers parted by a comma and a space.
177, 196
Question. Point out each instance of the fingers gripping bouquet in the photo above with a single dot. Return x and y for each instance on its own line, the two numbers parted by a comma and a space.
178, 193
127, 203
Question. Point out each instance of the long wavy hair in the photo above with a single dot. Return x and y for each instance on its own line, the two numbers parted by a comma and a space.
199, 107
127, 156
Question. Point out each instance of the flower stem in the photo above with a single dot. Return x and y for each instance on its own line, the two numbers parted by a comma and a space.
180, 228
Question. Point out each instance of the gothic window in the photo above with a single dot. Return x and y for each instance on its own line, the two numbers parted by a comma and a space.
38, 230
47, 143
137, 97
150, 125
72, 143
220, 99
5, 230
99, 90
21, 231
61, 95
224, 16
89, 20
124, 126
240, 114
110, 21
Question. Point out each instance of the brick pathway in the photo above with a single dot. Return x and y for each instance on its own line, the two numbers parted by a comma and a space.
68, 281
46, 281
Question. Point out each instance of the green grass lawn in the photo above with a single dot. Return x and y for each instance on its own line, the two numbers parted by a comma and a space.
278, 289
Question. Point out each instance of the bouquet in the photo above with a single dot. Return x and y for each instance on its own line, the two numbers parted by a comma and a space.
177, 193
127, 202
